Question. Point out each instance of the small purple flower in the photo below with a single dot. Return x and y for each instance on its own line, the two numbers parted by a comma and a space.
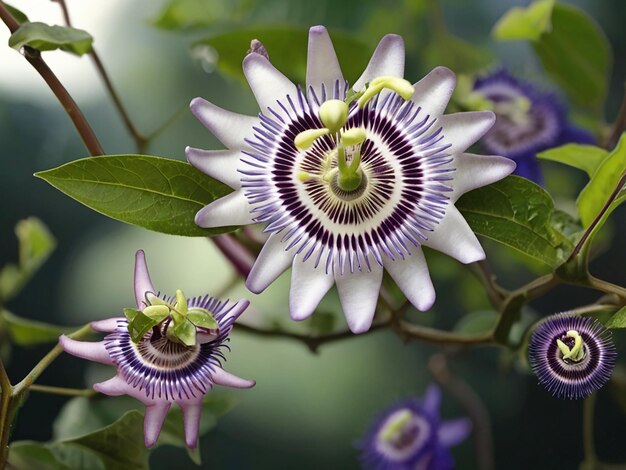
572, 356
527, 122
410, 435
158, 369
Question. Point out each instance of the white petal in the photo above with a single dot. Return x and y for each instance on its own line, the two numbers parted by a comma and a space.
232, 209
322, 66
92, 351
267, 83
106, 326
358, 293
308, 286
463, 129
153, 421
142, 281
455, 238
230, 128
221, 377
219, 164
387, 60
271, 263
474, 171
412, 277
433, 92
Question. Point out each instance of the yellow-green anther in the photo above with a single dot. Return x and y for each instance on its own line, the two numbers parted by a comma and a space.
353, 136
305, 139
394, 428
523, 104
304, 176
157, 311
181, 302
577, 352
399, 85
334, 114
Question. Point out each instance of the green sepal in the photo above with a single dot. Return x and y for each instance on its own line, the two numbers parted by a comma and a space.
202, 317
140, 325
157, 312
181, 302
131, 313
186, 333
152, 299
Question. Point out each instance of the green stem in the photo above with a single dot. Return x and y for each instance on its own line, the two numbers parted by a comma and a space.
55, 352
70, 392
606, 287
589, 447
432, 335
5, 422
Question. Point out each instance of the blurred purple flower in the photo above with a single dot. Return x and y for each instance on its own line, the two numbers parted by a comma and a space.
410, 435
572, 356
527, 122
158, 370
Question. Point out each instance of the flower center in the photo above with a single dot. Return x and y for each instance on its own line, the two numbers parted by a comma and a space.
572, 347
334, 116
160, 352
403, 435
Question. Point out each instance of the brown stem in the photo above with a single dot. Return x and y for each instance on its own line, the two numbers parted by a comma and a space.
589, 447
473, 406
140, 140
71, 108
495, 293
5, 421
432, 335
70, 392
312, 342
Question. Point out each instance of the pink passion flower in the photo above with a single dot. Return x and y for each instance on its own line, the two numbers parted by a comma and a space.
348, 181
158, 369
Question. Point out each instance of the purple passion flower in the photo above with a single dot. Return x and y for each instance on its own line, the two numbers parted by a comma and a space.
410, 435
572, 356
159, 370
527, 122
348, 181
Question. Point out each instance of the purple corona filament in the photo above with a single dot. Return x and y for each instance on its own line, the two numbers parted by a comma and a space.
568, 375
159, 371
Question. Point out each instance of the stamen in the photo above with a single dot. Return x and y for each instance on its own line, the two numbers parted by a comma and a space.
334, 115
396, 426
401, 86
577, 352
305, 139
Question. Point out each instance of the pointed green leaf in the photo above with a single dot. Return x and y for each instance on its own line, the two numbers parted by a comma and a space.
525, 23
583, 157
19, 15
606, 177
140, 325
202, 317
152, 192
44, 37
517, 213
24, 332
131, 313
618, 320
185, 331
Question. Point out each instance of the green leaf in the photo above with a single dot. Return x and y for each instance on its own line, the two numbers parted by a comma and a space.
30, 455
477, 322
44, 37
17, 14
517, 213
583, 157
131, 313
525, 23
152, 192
193, 14
140, 325
603, 182
286, 47
36, 243
185, 331
618, 320
571, 46
202, 317
26, 332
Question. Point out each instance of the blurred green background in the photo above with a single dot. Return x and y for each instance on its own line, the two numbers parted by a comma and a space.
307, 410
